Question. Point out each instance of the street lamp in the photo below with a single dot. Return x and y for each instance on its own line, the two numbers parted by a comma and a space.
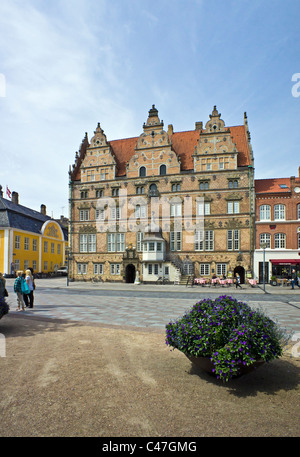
264, 246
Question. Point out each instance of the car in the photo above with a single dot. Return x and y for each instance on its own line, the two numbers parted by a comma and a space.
62, 271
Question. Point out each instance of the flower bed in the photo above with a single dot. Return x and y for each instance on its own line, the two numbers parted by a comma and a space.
229, 332
4, 308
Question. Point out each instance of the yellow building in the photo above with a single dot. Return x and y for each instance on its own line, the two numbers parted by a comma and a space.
29, 239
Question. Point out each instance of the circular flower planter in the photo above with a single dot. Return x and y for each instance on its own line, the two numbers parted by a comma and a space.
205, 364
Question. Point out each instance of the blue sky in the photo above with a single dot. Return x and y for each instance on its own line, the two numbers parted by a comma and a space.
66, 65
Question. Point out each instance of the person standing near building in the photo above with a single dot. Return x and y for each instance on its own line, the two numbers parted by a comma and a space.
18, 290
294, 279
238, 281
29, 281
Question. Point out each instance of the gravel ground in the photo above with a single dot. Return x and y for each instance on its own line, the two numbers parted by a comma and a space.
64, 379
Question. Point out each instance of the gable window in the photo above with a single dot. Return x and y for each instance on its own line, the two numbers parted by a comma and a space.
279, 212
142, 172
265, 213
162, 170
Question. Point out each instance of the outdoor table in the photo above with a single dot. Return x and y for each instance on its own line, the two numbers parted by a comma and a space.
214, 281
200, 281
252, 282
229, 281
223, 282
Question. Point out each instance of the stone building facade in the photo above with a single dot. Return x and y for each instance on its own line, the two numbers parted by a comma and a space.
164, 204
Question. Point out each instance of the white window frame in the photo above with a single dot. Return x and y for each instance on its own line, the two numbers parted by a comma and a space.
203, 208
26, 243
198, 242
98, 268
115, 242
82, 268
84, 214
233, 207
209, 240
233, 240
204, 269
279, 240
115, 269
265, 213
34, 244
17, 241
221, 269
265, 238
176, 209
279, 212
139, 239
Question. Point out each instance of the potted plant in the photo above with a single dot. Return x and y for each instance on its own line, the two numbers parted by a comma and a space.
4, 308
227, 337
273, 280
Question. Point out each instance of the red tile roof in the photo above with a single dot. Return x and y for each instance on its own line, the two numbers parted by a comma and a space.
265, 186
183, 143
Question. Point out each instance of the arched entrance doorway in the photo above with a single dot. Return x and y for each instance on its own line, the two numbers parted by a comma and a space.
130, 273
241, 272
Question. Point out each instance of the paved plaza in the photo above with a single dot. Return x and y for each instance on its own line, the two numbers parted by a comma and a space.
147, 306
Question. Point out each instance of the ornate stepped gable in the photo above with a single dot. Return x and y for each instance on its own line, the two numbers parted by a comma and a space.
178, 151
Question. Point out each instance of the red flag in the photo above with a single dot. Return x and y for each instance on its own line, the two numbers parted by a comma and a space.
8, 192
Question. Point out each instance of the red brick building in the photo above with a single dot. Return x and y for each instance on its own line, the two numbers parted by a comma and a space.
277, 227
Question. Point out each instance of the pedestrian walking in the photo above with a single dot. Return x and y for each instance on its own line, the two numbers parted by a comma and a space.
238, 281
18, 290
294, 279
29, 281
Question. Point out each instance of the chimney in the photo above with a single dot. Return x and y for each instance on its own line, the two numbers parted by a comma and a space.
1, 191
43, 209
170, 129
15, 198
198, 125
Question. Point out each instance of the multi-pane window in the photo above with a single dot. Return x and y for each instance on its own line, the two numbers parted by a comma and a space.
233, 240
116, 242
84, 215
221, 269
209, 240
45, 265
198, 240
141, 211
298, 211
233, 184
139, 239
279, 239
175, 209
233, 207
84, 194
52, 248
45, 246
175, 241
203, 185
34, 244
279, 212
100, 214
265, 239
26, 264
265, 213
26, 243
115, 268
204, 269
203, 208
115, 212
58, 249
34, 265
82, 268
87, 242
17, 264
17, 242
298, 239
115, 192
140, 190
99, 193
98, 268
176, 187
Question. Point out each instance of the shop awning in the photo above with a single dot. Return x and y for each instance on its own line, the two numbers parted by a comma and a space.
285, 261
